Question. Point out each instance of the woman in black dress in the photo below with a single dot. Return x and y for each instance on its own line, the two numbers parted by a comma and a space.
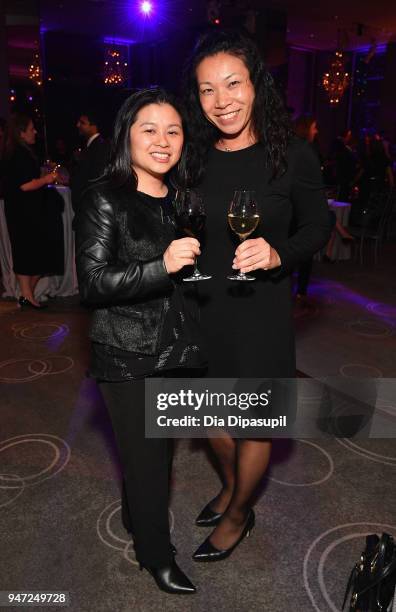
127, 257
25, 209
241, 139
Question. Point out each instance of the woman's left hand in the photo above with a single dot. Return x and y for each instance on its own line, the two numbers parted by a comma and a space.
255, 254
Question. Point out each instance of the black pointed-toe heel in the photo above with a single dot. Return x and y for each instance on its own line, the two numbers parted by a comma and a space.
171, 579
25, 303
208, 517
207, 552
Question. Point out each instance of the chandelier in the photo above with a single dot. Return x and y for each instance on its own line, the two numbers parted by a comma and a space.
35, 72
336, 80
115, 66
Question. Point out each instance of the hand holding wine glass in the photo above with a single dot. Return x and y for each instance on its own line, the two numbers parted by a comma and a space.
180, 253
243, 219
191, 217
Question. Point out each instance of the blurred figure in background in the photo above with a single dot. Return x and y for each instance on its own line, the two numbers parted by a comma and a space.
25, 209
306, 127
93, 159
345, 165
61, 153
375, 174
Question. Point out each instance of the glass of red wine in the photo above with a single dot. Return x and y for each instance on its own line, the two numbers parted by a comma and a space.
191, 217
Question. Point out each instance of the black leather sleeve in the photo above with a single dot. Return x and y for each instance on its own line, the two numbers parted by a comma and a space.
102, 280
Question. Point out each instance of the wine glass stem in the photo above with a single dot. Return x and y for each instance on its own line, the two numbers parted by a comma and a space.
241, 274
196, 271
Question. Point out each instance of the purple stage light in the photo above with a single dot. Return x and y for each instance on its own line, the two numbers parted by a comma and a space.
146, 7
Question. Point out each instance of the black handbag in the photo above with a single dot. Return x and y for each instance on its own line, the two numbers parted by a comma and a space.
371, 585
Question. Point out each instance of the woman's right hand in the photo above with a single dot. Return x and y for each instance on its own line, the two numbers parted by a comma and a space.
50, 178
180, 253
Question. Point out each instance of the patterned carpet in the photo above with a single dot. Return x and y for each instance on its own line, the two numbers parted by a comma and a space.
59, 476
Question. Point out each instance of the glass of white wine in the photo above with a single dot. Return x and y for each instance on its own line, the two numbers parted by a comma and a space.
243, 218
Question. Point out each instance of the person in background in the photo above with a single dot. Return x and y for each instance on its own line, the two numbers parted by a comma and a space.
93, 159
375, 174
25, 208
345, 165
306, 127
61, 153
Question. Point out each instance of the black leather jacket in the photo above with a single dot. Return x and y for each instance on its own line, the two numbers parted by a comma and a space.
120, 241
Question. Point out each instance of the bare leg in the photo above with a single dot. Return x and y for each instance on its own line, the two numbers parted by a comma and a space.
343, 231
33, 282
252, 461
26, 288
330, 244
225, 449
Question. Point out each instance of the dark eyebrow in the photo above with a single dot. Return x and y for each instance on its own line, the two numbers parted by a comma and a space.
225, 78
153, 123
232, 74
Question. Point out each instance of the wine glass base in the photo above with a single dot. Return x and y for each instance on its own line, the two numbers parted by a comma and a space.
197, 277
236, 277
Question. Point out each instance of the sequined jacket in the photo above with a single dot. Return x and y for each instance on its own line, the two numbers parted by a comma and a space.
120, 241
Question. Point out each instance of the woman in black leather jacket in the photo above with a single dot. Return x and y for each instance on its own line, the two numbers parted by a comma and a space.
127, 255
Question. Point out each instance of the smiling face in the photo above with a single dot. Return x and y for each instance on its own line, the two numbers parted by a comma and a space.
28, 136
226, 93
156, 139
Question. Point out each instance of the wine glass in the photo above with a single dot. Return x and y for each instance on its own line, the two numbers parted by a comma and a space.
191, 217
243, 218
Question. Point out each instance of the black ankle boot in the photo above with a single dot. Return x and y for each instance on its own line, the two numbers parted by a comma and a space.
171, 579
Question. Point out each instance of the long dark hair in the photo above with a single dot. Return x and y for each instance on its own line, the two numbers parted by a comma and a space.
270, 121
119, 171
16, 124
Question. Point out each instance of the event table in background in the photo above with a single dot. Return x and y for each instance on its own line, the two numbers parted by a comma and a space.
48, 286
341, 250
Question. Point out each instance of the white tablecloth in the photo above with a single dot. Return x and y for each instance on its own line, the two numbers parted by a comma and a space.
341, 249
52, 286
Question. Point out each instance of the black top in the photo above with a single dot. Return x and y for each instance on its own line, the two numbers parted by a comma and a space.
34, 222
90, 166
248, 326
20, 168
180, 345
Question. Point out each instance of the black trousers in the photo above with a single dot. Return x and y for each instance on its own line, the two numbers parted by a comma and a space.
146, 468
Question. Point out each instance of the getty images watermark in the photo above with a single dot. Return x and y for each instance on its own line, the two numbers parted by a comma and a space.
218, 402
270, 408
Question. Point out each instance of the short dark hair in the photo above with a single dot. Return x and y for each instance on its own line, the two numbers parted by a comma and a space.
270, 121
119, 171
92, 116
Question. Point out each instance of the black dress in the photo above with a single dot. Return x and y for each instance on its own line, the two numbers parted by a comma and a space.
248, 326
34, 218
